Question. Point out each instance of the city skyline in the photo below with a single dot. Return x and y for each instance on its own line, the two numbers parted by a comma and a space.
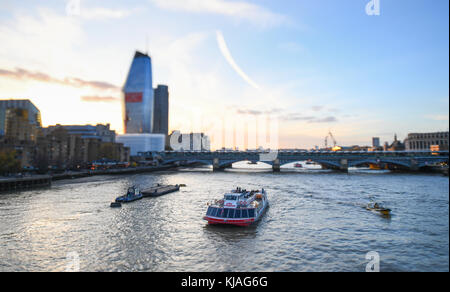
245, 57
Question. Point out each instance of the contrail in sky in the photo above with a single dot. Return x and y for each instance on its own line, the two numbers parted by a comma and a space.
226, 53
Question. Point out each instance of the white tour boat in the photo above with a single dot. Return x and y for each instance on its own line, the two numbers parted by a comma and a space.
240, 207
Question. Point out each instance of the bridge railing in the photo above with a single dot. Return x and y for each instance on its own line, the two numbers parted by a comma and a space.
310, 153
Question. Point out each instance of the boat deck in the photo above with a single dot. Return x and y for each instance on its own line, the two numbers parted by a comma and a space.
160, 190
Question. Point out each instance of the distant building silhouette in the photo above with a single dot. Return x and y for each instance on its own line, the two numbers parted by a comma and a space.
397, 145
375, 142
21, 111
99, 131
161, 112
424, 141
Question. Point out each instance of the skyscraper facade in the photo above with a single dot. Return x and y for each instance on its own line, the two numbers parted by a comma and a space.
161, 113
376, 142
138, 96
28, 111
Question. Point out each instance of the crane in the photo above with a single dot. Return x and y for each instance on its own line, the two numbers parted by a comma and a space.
332, 138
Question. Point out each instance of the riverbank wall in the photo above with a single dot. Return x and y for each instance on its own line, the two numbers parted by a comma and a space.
9, 184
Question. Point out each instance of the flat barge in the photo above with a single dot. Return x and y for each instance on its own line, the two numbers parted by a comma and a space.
160, 190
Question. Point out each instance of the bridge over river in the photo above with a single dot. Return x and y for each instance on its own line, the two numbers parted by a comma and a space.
339, 160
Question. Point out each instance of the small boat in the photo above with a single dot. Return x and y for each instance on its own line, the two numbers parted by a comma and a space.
116, 205
298, 165
377, 208
133, 194
239, 207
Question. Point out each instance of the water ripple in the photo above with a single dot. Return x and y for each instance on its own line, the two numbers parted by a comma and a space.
316, 222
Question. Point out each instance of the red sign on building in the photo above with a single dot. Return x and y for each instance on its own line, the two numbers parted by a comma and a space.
133, 97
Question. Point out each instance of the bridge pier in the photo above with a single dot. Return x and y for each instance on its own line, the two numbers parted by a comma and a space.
216, 165
343, 165
414, 166
276, 165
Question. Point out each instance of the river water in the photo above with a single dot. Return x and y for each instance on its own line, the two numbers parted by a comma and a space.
316, 222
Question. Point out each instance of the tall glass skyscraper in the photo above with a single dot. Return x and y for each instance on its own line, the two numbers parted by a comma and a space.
161, 115
138, 96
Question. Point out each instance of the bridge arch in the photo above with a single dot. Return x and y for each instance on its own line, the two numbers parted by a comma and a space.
204, 162
229, 163
355, 163
283, 163
328, 163
426, 163
406, 164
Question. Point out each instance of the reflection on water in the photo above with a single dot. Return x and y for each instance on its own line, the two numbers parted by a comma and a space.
317, 221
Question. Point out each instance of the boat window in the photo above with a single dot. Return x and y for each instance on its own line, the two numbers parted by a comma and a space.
231, 213
214, 212
225, 213
237, 214
244, 213
251, 213
209, 211
230, 197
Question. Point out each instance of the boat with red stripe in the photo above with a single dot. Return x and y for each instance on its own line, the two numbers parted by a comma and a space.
239, 207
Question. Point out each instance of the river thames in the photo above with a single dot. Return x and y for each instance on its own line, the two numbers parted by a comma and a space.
316, 222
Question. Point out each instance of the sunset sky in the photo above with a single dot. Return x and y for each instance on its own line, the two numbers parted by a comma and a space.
314, 65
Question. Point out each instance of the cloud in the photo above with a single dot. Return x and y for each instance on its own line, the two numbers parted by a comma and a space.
257, 112
317, 108
75, 8
310, 119
100, 13
45, 39
283, 115
227, 55
236, 9
329, 119
96, 98
23, 74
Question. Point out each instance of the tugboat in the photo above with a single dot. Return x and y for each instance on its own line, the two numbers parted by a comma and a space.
240, 207
133, 194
